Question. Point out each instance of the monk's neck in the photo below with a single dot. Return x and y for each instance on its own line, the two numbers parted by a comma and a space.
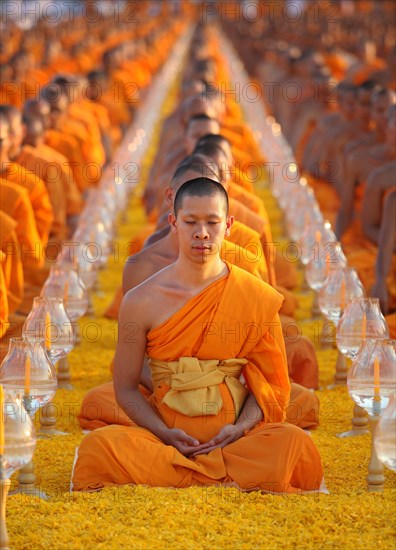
196, 276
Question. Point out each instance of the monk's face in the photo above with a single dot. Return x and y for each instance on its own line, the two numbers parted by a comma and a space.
197, 129
58, 111
379, 111
4, 138
17, 134
391, 131
363, 107
348, 105
34, 133
201, 225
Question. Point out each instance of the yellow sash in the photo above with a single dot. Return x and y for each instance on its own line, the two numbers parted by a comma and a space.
194, 384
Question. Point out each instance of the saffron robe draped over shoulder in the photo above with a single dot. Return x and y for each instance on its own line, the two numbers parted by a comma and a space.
234, 317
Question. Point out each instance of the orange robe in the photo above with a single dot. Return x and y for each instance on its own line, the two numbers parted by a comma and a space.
69, 146
82, 114
15, 202
249, 199
30, 159
253, 221
391, 320
74, 201
38, 196
11, 265
3, 298
205, 328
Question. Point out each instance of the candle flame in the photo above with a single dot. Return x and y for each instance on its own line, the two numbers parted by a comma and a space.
66, 292
47, 331
364, 326
342, 295
27, 376
376, 380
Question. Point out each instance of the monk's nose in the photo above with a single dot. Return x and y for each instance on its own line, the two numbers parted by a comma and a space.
201, 233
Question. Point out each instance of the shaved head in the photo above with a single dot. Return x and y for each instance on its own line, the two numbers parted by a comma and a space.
200, 187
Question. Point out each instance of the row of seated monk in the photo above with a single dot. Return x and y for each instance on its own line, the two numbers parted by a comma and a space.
196, 293
336, 107
55, 146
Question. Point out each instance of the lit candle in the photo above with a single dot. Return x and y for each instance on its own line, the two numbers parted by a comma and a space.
1, 420
327, 263
376, 380
342, 295
66, 292
27, 376
364, 325
47, 335
318, 236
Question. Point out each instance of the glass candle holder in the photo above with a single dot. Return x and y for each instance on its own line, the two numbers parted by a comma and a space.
27, 369
385, 437
49, 320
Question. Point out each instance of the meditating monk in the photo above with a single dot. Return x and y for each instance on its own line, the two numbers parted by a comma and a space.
56, 163
12, 171
78, 112
11, 264
332, 155
16, 203
386, 251
49, 172
381, 100
301, 359
202, 425
359, 166
59, 139
327, 123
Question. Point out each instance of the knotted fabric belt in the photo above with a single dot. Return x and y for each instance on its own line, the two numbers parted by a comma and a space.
194, 384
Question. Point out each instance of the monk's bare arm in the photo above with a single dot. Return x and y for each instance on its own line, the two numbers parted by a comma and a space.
250, 415
386, 244
347, 207
137, 269
133, 326
128, 363
379, 181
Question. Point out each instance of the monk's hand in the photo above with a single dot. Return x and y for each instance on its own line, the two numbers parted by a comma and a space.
183, 442
228, 434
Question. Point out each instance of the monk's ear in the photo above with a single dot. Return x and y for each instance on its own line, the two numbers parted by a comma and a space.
169, 195
229, 222
172, 222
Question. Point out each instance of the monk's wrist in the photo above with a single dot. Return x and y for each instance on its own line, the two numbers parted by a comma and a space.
242, 427
164, 434
247, 424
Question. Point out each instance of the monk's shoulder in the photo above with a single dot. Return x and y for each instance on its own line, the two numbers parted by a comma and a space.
383, 174
137, 269
357, 157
